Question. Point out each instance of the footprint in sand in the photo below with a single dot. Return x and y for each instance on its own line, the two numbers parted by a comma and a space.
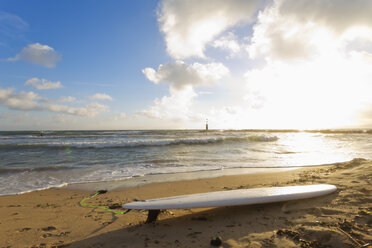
327, 211
46, 235
58, 245
14, 206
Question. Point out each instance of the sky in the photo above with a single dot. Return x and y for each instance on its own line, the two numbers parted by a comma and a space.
172, 64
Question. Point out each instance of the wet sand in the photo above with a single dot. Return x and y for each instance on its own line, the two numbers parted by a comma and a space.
54, 217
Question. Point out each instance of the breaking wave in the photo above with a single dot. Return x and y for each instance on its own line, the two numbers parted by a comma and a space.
36, 169
140, 143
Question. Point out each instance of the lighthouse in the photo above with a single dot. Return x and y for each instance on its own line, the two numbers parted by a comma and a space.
206, 125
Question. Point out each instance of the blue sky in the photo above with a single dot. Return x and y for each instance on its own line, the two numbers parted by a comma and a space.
103, 45
173, 63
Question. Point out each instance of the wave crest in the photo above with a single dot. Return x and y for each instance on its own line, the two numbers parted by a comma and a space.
140, 143
36, 169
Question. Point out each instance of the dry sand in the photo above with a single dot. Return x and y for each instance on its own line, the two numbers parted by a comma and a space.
54, 218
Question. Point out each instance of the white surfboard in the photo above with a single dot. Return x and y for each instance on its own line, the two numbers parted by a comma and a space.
234, 197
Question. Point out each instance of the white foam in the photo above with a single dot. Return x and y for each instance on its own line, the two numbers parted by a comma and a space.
25, 169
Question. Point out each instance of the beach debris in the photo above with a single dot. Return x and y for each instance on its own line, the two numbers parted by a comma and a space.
217, 241
115, 206
166, 211
296, 237
59, 245
193, 234
366, 245
24, 229
49, 228
366, 211
346, 228
345, 225
47, 205
14, 206
41, 245
292, 234
349, 229
364, 217
46, 235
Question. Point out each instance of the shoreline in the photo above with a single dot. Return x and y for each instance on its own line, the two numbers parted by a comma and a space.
135, 181
54, 218
170, 177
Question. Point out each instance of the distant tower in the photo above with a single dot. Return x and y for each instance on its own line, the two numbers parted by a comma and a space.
206, 125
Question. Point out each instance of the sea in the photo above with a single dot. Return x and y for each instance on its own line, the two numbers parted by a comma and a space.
31, 160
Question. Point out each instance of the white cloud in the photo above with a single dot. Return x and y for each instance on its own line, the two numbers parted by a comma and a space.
178, 74
67, 99
38, 54
29, 101
228, 42
89, 110
174, 107
205, 93
43, 84
11, 25
181, 78
309, 63
120, 116
278, 37
228, 117
327, 92
188, 25
338, 15
318, 65
306, 29
101, 97
19, 101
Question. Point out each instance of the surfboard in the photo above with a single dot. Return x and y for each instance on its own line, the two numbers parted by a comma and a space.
233, 198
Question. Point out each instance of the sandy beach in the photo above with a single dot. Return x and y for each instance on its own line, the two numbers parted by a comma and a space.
54, 217
253, 116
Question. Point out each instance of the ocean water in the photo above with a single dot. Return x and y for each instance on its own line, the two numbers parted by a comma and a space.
30, 162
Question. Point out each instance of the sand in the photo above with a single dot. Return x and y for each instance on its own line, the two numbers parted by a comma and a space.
54, 217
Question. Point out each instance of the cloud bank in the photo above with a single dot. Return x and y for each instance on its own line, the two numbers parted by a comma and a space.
30, 101
43, 84
19, 101
306, 29
318, 65
309, 62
